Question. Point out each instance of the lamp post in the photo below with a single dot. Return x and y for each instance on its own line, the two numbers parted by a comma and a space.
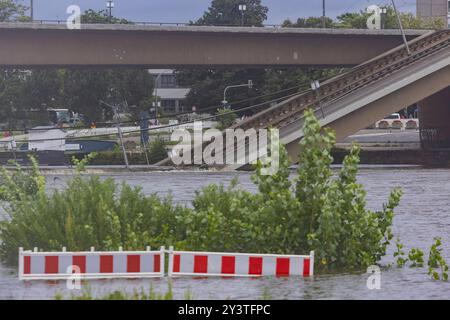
324, 24
110, 6
242, 9
31, 11
249, 84
156, 103
383, 17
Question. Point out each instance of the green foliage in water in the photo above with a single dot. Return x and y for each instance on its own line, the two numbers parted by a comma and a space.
86, 294
88, 212
400, 254
315, 211
416, 257
436, 261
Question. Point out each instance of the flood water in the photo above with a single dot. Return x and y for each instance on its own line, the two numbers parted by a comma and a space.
424, 213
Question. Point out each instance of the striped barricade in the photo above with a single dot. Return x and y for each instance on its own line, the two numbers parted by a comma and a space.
34, 265
237, 264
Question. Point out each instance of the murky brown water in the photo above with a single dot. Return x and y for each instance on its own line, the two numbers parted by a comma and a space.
424, 212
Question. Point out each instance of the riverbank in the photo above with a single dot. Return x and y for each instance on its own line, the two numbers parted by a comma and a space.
399, 154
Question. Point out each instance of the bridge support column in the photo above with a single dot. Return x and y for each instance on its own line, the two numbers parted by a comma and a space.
434, 120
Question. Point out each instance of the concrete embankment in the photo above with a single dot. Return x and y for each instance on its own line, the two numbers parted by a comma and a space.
396, 156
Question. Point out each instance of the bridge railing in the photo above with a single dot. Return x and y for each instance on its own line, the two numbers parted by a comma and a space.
155, 23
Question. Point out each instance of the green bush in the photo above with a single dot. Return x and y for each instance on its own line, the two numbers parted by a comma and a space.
88, 212
225, 118
157, 150
315, 211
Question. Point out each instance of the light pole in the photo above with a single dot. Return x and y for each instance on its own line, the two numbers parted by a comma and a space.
383, 17
156, 104
31, 11
249, 84
242, 9
110, 6
324, 24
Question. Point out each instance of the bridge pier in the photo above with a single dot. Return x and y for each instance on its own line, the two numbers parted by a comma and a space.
434, 120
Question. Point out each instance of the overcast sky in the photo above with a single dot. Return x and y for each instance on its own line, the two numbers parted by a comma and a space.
185, 10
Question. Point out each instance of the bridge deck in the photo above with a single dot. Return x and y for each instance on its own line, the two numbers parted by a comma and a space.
34, 44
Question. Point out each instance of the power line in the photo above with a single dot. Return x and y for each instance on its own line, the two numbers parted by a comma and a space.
171, 125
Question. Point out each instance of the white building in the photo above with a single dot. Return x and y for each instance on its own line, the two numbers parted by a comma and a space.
170, 95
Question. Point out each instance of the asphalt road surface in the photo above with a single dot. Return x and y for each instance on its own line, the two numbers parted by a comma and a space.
384, 136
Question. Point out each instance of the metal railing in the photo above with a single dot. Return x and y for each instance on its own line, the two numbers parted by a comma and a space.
154, 23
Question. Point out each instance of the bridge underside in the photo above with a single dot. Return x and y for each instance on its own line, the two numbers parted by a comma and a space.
33, 45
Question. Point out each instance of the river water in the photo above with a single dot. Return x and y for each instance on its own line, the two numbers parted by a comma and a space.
424, 213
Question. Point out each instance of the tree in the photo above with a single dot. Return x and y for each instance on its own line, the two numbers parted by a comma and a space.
311, 22
10, 10
226, 13
207, 85
225, 118
409, 21
92, 16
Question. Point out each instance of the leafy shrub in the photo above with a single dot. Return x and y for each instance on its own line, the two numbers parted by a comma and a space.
88, 212
315, 211
86, 294
436, 261
416, 257
225, 118
157, 150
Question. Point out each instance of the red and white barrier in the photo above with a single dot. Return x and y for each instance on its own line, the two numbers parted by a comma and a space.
237, 264
34, 265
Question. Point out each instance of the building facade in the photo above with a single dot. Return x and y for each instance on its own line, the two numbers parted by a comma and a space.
434, 9
170, 95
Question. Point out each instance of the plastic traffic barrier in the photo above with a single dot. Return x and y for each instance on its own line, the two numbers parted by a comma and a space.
239, 264
34, 265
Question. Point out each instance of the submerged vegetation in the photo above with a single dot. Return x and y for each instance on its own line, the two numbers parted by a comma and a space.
86, 294
315, 211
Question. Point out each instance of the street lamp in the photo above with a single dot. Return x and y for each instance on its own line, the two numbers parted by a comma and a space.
156, 103
249, 84
242, 9
31, 11
383, 17
324, 23
110, 6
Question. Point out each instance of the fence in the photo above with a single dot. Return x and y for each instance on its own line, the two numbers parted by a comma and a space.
35, 265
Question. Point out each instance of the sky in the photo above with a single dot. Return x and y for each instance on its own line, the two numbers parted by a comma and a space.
186, 10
